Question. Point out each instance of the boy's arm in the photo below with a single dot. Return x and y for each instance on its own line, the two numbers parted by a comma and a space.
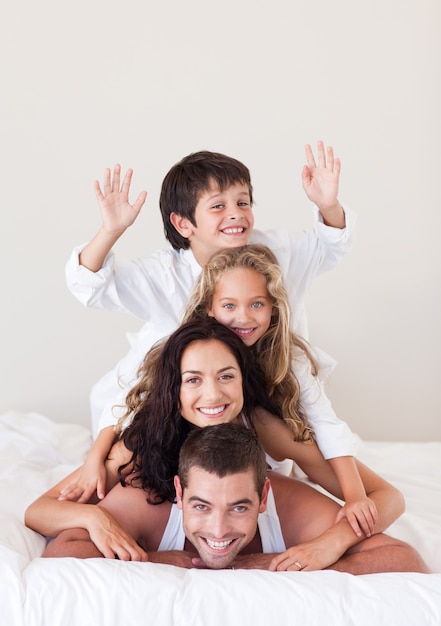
117, 215
320, 182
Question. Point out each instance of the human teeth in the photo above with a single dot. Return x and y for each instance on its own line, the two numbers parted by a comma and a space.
232, 231
218, 545
212, 411
244, 331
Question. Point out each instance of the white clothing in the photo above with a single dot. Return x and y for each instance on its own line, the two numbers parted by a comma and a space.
156, 289
267, 522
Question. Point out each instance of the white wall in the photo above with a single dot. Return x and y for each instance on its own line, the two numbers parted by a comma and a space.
87, 84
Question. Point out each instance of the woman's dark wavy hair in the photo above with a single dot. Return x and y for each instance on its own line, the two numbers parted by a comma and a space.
157, 432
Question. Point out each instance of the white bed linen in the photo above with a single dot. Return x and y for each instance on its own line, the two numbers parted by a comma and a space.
36, 452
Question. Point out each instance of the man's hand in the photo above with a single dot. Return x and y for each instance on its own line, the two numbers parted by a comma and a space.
179, 558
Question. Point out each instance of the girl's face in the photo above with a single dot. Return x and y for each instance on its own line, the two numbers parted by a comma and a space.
211, 384
242, 303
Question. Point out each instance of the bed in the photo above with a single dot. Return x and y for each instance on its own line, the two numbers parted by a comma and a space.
36, 452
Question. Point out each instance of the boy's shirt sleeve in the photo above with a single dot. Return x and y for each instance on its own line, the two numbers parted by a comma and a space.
144, 287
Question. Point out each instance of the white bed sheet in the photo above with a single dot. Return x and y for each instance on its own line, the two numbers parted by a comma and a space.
36, 452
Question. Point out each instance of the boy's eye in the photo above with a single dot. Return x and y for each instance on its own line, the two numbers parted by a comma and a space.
217, 206
243, 203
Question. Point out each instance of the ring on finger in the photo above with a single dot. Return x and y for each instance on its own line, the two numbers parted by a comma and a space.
297, 564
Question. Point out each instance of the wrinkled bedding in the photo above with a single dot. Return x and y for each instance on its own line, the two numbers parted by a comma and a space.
36, 452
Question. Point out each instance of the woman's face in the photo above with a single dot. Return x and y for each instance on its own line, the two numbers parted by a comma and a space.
242, 303
211, 384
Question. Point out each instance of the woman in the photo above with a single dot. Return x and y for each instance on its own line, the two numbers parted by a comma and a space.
204, 375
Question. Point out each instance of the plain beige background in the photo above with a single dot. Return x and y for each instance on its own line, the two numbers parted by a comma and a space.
88, 84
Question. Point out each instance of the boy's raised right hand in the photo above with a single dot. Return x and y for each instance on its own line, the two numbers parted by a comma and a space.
116, 211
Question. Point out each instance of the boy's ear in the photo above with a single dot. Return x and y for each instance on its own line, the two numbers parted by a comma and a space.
182, 225
178, 489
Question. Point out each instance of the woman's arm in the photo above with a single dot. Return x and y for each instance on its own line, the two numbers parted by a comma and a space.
49, 515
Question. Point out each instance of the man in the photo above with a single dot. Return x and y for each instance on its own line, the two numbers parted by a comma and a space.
229, 514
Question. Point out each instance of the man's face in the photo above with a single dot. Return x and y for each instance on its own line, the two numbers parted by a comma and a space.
224, 219
220, 514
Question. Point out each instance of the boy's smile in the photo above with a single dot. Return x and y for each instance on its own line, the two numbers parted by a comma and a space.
224, 219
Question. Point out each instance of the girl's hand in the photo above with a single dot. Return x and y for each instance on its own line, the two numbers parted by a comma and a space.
361, 514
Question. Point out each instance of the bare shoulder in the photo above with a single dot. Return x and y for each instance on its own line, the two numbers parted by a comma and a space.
119, 455
273, 433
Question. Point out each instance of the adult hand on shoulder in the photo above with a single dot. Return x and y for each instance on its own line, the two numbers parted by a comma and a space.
111, 539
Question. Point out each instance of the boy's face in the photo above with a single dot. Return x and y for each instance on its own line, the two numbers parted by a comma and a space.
224, 219
220, 514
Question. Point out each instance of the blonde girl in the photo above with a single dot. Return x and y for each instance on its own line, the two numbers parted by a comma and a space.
243, 289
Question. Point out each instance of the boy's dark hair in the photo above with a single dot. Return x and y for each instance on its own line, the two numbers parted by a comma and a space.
223, 450
184, 183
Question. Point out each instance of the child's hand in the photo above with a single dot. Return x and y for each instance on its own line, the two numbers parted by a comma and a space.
361, 514
116, 212
320, 181
90, 480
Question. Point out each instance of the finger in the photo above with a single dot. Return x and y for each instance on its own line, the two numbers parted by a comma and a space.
355, 524
98, 192
337, 167
330, 158
309, 156
140, 201
107, 185
321, 159
116, 177
126, 182
100, 489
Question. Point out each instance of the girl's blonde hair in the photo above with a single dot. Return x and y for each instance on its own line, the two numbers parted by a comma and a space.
277, 350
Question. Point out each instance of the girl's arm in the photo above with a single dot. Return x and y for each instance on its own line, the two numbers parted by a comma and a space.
92, 476
359, 509
277, 441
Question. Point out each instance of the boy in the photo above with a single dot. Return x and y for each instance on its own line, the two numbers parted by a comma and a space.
206, 205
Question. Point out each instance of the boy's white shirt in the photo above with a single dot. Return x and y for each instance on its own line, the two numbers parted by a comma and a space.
156, 288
